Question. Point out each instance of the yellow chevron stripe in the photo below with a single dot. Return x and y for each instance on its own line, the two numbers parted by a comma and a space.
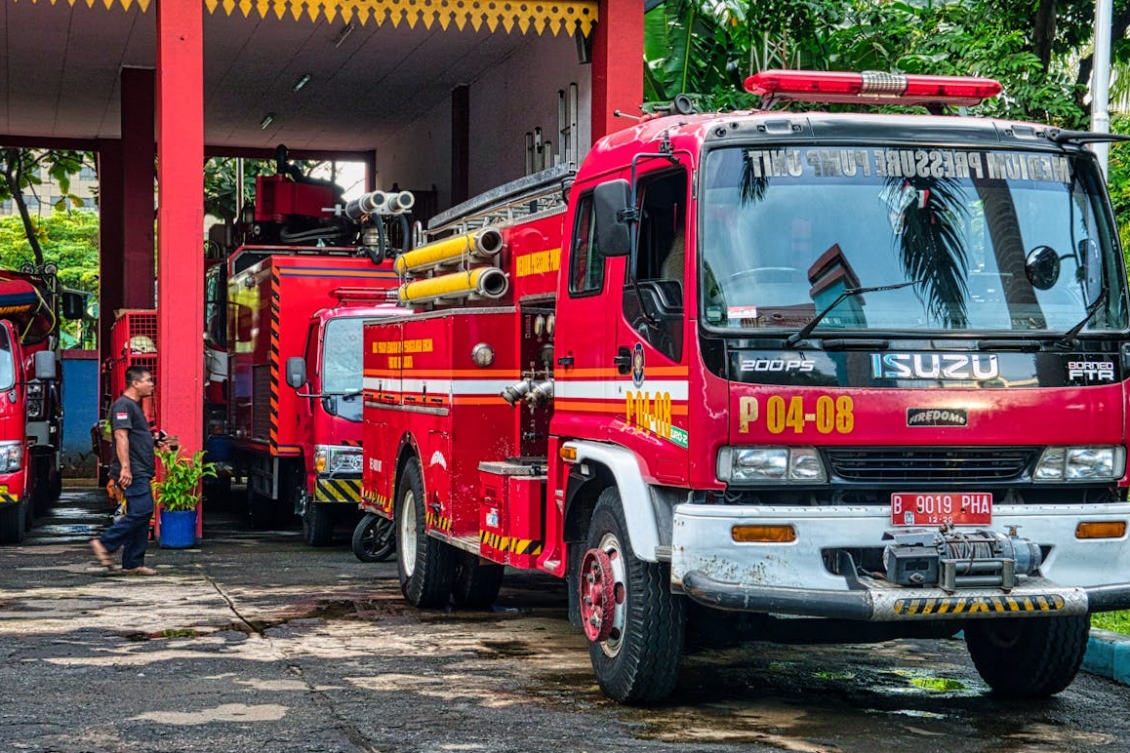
507, 544
440, 523
995, 604
337, 490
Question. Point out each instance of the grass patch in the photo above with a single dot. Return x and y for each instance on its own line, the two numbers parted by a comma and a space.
1116, 622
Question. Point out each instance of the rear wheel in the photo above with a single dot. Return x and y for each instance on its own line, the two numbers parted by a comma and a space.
261, 509
13, 518
1027, 658
425, 564
374, 538
635, 626
476, 583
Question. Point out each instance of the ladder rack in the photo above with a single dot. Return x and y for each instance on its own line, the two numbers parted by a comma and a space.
540, 192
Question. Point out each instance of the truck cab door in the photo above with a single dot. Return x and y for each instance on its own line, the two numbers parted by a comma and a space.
584, 396
649, 332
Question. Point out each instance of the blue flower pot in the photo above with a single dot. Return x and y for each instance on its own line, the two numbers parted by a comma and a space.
178, 529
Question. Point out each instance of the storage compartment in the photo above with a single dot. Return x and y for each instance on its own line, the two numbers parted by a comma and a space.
511, 512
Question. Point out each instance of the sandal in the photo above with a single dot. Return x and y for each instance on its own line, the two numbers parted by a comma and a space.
101, 553
140, 571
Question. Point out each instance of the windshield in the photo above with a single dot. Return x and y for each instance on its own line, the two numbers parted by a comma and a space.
7, 362
342, 350
1003, 241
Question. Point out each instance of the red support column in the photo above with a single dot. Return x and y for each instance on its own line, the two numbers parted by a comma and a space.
617, 65
180, 220
111, 245
137, 188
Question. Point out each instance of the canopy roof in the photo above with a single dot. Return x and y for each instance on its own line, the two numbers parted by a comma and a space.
368, 68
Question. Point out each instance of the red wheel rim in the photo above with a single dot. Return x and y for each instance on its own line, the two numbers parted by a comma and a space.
598, 600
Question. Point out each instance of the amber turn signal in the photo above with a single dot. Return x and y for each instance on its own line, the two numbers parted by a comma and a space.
1107, 529
764, 534
568, 454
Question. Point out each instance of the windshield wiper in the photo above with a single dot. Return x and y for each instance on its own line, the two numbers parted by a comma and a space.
807, 329
1068, 340
1064, 136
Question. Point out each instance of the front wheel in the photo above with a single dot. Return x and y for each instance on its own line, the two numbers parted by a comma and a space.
12, 522
426, 565
636, 627
374, 539
317, 522
1030, 657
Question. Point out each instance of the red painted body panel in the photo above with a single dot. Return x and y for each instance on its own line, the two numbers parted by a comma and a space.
1074, 415
423, 390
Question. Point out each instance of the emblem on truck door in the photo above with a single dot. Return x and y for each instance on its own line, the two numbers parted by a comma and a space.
637, 365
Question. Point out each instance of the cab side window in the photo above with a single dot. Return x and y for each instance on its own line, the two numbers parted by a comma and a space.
586, 263
653, 301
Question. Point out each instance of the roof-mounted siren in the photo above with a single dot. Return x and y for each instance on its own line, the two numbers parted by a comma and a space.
870, 87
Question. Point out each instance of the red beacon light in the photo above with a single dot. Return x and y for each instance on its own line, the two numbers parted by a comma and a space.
871, 87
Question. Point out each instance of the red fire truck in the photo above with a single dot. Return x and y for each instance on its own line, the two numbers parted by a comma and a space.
775, 375
31, 418
300, 449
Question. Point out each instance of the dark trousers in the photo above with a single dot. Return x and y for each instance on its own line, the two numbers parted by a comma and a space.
130, 533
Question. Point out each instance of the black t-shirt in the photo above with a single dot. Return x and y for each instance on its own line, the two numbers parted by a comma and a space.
127, 414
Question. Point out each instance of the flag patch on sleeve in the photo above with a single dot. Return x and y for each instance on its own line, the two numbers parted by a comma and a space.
121, 416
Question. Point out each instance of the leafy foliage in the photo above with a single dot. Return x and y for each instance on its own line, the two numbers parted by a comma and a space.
22, 172
70, 241
179, 489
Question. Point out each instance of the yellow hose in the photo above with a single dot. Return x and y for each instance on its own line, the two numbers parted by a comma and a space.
482, 244
487, 282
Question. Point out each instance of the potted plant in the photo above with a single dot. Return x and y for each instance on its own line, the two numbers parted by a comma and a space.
177, 492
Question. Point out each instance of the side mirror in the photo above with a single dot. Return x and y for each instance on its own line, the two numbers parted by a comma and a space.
73, 305
1041, 266
612, 201
296, 371
45, 365
1091, 270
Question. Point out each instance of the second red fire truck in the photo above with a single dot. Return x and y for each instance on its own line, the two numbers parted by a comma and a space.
776, 375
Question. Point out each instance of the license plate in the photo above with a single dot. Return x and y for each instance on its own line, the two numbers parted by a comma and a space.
938, 508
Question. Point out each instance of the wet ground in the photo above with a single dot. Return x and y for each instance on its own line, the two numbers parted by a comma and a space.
253, 641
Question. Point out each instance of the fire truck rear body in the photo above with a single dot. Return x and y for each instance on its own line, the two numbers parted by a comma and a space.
806, 415
291, 305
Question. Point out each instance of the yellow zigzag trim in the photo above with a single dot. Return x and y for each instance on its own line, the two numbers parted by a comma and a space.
557, 16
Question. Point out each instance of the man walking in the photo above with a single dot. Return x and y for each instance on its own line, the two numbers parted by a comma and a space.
132, 468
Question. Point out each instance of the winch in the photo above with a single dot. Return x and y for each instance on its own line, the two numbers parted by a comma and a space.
951, 559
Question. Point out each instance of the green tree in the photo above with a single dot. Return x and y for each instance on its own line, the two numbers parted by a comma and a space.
709, 47
68, 240
23, 170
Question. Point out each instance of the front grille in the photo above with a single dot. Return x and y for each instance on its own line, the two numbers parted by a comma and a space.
930, 464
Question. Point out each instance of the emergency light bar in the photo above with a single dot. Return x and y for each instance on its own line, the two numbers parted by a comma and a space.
871, 86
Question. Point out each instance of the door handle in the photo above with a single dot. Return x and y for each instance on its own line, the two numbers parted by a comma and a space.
623, 360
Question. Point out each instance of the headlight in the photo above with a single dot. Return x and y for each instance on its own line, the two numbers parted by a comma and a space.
770, 464
1093, 463
34, 389
11, 456
332, 459
35, 409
